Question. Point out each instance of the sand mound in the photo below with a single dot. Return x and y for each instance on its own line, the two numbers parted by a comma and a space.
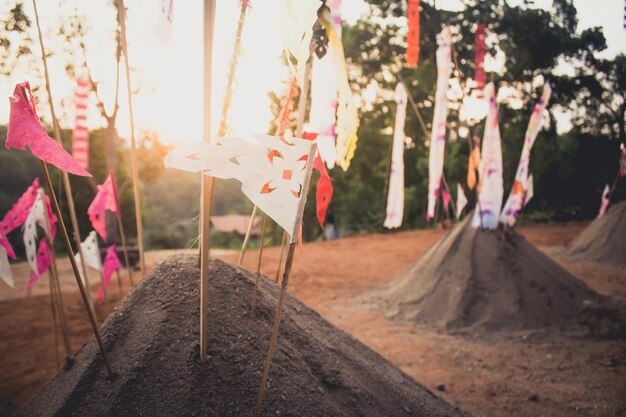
318, 370
603, 240
490, 280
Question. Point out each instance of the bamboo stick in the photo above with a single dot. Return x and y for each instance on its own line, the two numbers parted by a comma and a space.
258, 266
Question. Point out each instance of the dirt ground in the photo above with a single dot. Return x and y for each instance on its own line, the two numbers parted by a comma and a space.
504, 375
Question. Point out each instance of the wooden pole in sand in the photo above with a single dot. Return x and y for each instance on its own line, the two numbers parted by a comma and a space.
54, 321
120, 227
133, 149
247, 237
57, 135
207, 182
258, 266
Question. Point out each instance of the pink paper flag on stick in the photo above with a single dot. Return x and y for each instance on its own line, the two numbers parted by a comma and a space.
19, 212
25, 130
43, 262
111, 264
106, 199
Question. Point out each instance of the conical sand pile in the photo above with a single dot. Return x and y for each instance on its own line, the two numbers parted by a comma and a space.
490, 280
604, 240
152, 340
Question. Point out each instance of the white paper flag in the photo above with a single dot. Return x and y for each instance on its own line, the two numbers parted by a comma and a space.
491, 188
165, 21
5, 267
530, 189
36, 216
297, 18
274, 172
395, 196
91, 252
461, 200
604, 202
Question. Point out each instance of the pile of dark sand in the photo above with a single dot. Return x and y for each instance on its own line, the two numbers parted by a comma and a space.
604, 240
152, 340
477, 279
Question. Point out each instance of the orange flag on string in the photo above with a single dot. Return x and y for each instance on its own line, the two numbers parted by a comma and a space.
413, 37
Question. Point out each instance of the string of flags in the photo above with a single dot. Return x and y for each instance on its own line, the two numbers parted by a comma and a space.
80, 134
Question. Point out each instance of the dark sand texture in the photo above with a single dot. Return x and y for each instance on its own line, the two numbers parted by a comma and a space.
604, 240
152, 340
491, 280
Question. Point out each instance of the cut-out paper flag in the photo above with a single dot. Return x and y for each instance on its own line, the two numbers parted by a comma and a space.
473, 162
274, 172
111, 264
39, 214
604, 202
324, 190
5, 268
479, 58
19, 212
25, 131
105, 199
530, 189
165, 21
461, 201
297, 18
395, 194
44, 259
413, 35
513, 205
91, 251
440, 115
490, 187
80, 134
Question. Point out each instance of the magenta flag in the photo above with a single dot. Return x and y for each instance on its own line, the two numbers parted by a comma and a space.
19, 212
43, 262
104, 200
111, 264
25, 130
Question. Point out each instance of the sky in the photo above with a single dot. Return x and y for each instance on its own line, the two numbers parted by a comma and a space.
169, 78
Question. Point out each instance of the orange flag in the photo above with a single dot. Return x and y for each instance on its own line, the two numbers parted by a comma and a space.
413, 37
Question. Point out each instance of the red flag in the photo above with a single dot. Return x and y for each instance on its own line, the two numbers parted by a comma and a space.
413, 37
104, 200
25, 130
80, 134
324, 191
111, 264
43, 262
19, 212
479, 58
446, 199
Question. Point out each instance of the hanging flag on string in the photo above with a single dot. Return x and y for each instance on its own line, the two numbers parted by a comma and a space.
324, 190
80, 134
111, 264
473, 162
44, 260
5, 268
19, 212
347, 113
274, 172
104, 200
297, 18
513, 205
604, 201
479, 59
530, 189
490, 187
395, 194
324, 90
413, 35
165, 22
440, 115
25, 131
461, 200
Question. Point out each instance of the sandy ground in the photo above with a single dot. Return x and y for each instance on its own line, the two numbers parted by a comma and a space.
506, 375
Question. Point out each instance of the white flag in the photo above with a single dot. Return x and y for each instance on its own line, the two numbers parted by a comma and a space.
5, 268
604, 202
36, 216
530, 189
165, 21
297, 18
91, 252
461, 200
395, 196
274, 172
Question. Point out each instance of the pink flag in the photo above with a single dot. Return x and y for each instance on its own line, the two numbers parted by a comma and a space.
25, 130
19, 212
111, 264
106, 199
622, 163
80, 134
43, 262
446, 199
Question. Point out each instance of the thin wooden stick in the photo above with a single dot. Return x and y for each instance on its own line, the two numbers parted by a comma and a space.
207, 182
79, 281
57, 135
283, 244
120, 227
54, 321
258, 266
54, 275
247, 237
133, 149
274, 336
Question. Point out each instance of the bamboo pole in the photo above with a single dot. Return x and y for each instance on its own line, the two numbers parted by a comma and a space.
274, 336
68, 248
247, 237
57, 135
120, 227
207, 182
258, 266
283, 244
133, 149
54, 321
